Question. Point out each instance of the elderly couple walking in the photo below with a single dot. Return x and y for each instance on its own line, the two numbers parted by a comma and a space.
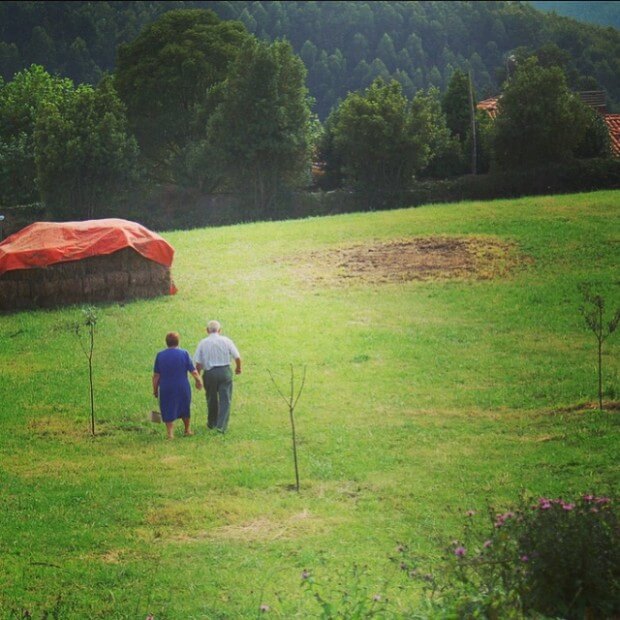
171, 386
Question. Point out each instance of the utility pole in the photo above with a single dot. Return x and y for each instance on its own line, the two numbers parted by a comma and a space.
472, 112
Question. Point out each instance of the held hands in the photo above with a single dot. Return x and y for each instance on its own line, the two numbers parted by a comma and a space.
198, 384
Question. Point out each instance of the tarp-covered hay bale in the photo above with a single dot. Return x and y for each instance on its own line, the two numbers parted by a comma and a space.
79, 276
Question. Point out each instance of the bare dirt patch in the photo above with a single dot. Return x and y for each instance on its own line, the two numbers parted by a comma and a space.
416, 258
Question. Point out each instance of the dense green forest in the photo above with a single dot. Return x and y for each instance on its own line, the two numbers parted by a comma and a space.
179, 105
344, 45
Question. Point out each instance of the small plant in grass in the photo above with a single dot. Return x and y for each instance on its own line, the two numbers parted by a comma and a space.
593, 312
291, 400
556, 557
88, 324
347, 596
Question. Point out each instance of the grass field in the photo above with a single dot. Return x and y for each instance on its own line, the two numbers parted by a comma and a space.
424, 398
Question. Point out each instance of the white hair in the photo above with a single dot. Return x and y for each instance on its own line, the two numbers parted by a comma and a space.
213, 327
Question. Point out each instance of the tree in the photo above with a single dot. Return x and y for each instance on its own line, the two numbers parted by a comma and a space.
446, 151
41, 48
291, 401
84, 153
380, 137
88, 324
80, 64
10, 60
455, 104
596, 141
165, 77
20, 102
539, 121
328, 154
260, 129
602, 326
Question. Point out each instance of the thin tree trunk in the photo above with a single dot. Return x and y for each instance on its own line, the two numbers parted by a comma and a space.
90, 376
600, 374
294, 449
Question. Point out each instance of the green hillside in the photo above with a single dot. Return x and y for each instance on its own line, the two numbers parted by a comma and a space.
344, 45
447, 365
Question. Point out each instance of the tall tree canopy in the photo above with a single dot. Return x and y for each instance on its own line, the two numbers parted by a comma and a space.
165, 77
539, 119
344, 44
455, 104
20, 102
261, 128
381, 138
84, 154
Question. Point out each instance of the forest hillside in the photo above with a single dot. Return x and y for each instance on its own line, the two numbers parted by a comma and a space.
344, 45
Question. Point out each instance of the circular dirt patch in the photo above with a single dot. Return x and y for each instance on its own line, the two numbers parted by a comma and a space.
418, 258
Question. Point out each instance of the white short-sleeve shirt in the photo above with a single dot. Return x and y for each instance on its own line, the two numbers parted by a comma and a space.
215, 350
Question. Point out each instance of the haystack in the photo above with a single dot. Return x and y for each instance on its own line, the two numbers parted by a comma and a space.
55, 264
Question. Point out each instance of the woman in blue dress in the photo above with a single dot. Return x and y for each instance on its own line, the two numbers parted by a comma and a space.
170, 383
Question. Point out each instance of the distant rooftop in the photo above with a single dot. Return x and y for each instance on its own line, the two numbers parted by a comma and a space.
596, 99
489, 106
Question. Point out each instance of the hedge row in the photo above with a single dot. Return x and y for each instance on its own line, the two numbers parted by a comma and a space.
169, 207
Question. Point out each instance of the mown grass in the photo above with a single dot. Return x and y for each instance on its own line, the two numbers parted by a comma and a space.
423, 399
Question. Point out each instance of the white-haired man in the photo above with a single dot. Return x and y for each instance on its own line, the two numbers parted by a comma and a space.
213, 356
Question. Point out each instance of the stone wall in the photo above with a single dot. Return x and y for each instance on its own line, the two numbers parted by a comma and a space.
119, 276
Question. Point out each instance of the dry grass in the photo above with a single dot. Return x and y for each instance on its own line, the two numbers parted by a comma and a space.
414, 258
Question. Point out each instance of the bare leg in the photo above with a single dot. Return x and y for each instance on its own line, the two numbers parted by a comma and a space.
170, 430
186, 424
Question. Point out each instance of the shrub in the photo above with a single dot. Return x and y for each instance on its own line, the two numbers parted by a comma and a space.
556, 557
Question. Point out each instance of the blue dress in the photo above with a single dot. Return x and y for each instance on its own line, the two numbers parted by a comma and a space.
175, 394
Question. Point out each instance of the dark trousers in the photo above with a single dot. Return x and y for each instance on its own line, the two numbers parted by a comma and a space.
218, 384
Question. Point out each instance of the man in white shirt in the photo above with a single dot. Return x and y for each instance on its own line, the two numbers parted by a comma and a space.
213, 356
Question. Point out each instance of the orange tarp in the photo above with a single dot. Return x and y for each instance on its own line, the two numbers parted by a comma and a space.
45, 243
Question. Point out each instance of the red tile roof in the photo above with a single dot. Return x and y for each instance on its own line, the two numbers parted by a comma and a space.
613, 126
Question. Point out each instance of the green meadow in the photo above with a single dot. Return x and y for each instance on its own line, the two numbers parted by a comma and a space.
426, 395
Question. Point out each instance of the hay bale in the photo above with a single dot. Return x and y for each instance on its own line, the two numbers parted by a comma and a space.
119, 276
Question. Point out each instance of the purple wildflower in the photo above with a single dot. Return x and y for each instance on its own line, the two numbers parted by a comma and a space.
501, 519
305, 574
487, 544
568, 506
459, 552
524, 558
